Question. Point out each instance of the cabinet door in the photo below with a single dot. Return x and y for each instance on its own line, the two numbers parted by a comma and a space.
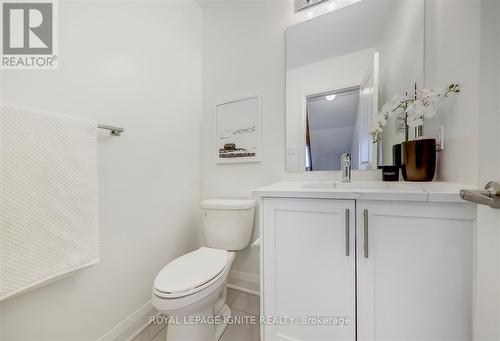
415, 276
308, 264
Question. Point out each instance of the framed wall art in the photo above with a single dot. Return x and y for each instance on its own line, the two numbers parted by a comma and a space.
238, 131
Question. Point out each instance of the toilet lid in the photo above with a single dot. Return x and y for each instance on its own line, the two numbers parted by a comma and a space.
191, 270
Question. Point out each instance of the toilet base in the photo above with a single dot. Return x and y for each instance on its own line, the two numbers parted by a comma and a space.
202, 316
200, 332
220, 328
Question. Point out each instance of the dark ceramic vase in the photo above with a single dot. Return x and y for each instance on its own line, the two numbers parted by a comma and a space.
396, 155
418, 160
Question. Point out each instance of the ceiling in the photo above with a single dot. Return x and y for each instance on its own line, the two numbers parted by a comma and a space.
341, 112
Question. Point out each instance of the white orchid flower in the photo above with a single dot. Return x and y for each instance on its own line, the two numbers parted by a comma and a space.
409, 111
430, 111
419, 109
387, 109
415, 123
381, 120
424, 93
398, 111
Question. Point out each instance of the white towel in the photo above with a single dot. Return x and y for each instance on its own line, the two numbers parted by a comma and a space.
48, 197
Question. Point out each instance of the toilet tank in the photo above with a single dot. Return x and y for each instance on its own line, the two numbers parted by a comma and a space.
228, 223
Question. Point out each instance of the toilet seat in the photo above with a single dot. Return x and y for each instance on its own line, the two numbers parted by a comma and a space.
191, 272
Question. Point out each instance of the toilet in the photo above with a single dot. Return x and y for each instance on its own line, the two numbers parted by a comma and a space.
191, 289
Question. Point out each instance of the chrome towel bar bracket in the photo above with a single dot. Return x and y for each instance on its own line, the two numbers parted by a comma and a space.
115, 131
490, 195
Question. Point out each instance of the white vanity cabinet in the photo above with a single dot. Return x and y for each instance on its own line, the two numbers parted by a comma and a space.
414, 280
308, 266
401, 270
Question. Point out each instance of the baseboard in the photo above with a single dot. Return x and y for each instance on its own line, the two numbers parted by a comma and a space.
131, 326
245, 282
134, 324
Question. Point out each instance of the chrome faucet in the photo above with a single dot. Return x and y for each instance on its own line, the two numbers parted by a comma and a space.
345, 165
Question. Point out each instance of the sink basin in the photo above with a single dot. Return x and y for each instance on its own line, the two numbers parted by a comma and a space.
320, 184
359, 185
346, 185
362, 185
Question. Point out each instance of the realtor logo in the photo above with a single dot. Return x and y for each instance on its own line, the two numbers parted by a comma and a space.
28, 35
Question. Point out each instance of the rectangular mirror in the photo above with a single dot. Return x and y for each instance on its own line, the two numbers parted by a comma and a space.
341, 67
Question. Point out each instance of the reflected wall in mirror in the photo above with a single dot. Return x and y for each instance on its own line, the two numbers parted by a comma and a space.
341, 67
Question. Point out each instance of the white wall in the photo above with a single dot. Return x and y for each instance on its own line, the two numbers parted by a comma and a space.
138, 65
401, 62
452, 45
487, 326
244, 53
469, 54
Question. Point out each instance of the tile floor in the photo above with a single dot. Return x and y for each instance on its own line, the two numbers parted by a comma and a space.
242, 304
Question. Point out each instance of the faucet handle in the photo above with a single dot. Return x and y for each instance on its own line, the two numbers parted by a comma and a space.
345, 157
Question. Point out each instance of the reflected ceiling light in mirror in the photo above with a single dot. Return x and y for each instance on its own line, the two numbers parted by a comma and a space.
330, 97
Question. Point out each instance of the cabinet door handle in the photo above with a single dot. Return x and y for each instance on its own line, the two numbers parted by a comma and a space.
347, 232
365, 232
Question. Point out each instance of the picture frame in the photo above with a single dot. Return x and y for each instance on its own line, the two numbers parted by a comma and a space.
238, 131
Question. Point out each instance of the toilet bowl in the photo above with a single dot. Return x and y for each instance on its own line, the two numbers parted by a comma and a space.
191, 289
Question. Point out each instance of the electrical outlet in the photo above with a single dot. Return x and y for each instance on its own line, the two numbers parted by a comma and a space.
440, 138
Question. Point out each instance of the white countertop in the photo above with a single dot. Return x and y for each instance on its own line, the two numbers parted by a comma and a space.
365, 190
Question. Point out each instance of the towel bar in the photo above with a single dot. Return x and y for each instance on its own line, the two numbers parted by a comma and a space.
115, 131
